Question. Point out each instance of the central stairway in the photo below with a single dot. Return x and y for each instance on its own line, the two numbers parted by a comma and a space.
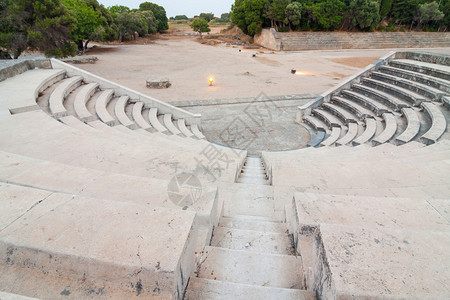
251, 254
253, 171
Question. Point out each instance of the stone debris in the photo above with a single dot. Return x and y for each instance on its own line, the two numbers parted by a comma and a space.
155, 83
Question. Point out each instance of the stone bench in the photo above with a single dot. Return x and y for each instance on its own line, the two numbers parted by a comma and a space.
153, 117
196, 131
438, 123
412, 129
169, 124
349, 136
360, 111
369, 132
377, 107
380, 96
56, 101
182, 127
327, 117
315, 123
419, 88
101, 110
81, 100
333, 137
389, 130
138, 118
435, 82
434, 70
404, 94
346, 116
119, 110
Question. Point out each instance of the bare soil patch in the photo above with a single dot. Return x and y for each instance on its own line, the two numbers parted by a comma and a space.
357, 62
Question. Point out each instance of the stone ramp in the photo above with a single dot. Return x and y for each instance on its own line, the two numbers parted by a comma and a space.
79, 238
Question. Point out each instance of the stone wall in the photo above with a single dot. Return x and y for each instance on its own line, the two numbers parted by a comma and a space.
268, 38
24, 66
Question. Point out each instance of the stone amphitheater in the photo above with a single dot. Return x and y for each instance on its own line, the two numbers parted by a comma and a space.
108, 193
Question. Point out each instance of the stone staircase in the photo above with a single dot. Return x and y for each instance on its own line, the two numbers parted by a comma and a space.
253, 171
402, 101
251, 254
296, 41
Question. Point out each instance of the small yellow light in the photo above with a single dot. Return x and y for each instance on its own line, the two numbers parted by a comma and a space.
211, 80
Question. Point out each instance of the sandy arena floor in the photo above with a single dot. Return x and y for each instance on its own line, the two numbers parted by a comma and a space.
188, 64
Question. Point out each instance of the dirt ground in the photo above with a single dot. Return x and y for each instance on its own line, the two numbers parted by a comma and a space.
237, 72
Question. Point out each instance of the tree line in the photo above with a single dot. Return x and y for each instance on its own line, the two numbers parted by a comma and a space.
366, 15
60, 28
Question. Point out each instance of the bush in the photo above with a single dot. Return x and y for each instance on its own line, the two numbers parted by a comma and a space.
283, 29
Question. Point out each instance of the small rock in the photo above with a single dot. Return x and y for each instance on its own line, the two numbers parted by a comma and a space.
163, 83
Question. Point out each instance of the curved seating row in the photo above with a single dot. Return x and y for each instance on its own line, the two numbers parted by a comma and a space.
118, 112
391, 92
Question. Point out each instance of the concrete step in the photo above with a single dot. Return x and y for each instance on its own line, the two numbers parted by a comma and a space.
269, 270
201, 288
249, 223
254, 241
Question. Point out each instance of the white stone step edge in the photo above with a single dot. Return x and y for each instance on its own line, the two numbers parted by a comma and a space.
182, 127
100, 107
349, 136
412, 128
153, 117
334, 136
169, 124
196, 131
56, 101
119, 110
438, 123
137, 115
369, 132
389, 130
81, 99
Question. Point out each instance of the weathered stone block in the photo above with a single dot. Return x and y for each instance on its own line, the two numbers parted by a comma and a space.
155, 83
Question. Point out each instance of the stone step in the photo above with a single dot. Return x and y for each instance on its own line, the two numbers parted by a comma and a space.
56, 101
430, 69
404, 94
100, 107
390, 127
375, 106
269, 270
137, 116
369, 132
153, 117
438, 123
168, 123
81, 99
335, 134
250, 223
380, 96
327, 117
201, 288
343, 114
315, 123
360, 111
119, 111
419, 88
435, 82
412, 129
350, 135
254, 241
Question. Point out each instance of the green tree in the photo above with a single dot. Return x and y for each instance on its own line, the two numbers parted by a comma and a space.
37, 24
117, 9
328, 13
150, 19
207, 16
130, 23
89, 22
200, 25
403, 11
225, 18
294, 13
385, 8
428, 12
248, 15
180, 18
365, 13
276, 12
159, 12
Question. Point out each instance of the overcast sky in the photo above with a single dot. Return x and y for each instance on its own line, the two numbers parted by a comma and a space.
189, 8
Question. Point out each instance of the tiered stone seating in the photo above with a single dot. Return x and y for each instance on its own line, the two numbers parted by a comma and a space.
96, 195
409, 80
295, 41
